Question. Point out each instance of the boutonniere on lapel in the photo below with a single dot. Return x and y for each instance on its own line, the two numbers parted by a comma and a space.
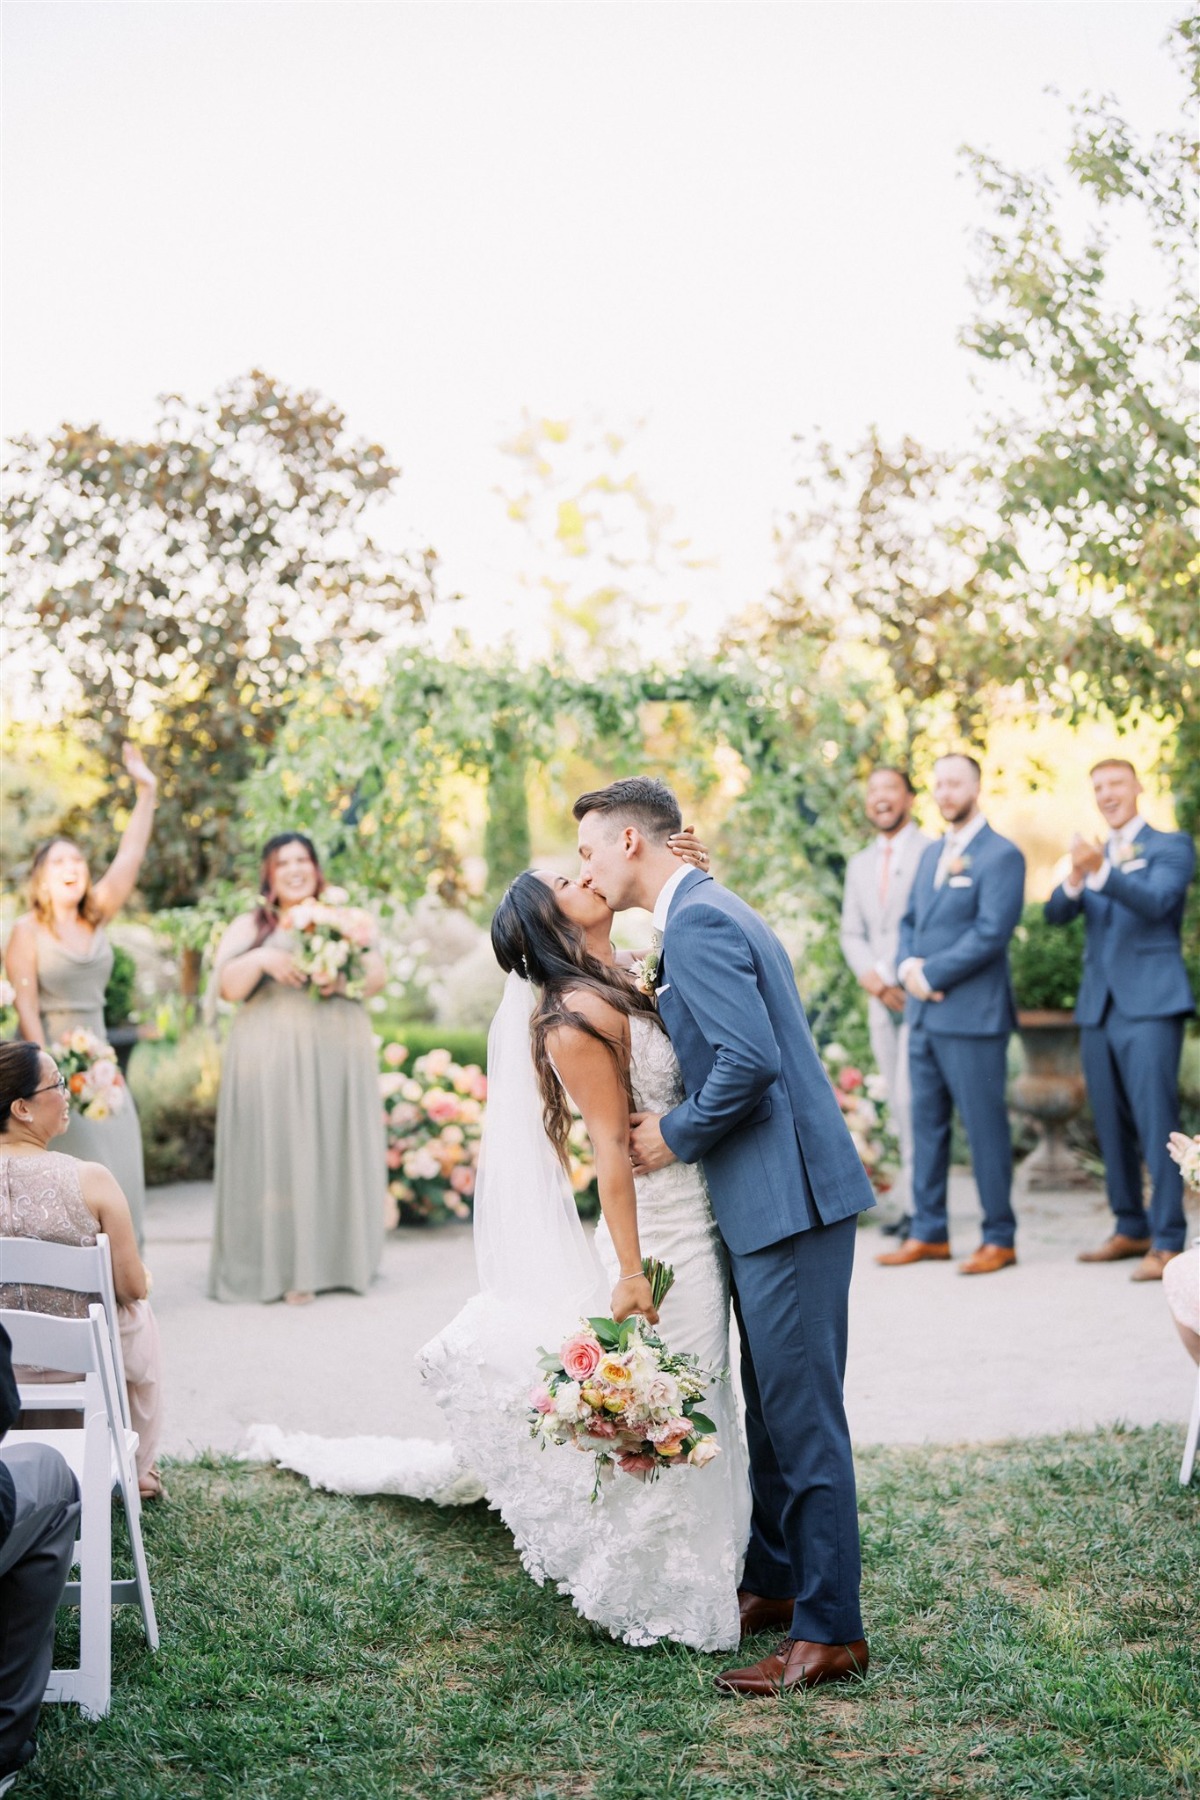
959, 866
1125, 853
646, 972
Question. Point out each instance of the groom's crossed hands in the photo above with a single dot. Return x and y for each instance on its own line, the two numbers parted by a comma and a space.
648, 1149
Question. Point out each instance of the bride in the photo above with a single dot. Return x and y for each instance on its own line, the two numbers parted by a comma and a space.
647, 1560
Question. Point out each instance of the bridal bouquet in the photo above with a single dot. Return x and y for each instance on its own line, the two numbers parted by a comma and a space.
617, 1392
332, 939
94, 1082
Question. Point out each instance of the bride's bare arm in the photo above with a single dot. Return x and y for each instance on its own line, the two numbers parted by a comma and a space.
592, 1079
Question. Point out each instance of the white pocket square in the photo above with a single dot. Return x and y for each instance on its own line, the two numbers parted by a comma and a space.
961, 881
664, 989
1139, 862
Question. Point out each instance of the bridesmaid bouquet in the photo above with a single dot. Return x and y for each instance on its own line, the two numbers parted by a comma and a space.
618, 1393
94, 1082
332, 940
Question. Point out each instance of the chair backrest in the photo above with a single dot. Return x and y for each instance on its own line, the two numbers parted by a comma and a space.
77, 1347
77, 1269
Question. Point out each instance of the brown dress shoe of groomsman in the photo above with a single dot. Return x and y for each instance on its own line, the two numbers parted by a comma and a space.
797, 1664
914, 1250
987, 1259
1152, 1265
757, 1613
1115, 1249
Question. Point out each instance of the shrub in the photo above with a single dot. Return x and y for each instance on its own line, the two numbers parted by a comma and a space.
175, 1086
1046, 961
419, 1039
122, 983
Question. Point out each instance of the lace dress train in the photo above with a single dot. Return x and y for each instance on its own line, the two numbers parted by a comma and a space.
644, 1561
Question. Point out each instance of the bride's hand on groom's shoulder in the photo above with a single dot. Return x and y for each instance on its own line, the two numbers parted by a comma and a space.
688, 848
648, 1149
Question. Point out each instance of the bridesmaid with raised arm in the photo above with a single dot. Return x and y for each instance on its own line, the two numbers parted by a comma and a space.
301, 1176
59, 961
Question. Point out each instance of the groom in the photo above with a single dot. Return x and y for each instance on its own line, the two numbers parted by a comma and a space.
786, 1185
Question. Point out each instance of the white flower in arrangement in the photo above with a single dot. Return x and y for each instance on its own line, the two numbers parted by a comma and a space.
8, 993
876, 1087
836, 1053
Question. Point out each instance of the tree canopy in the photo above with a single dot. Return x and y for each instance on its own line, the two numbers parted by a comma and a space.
195, 580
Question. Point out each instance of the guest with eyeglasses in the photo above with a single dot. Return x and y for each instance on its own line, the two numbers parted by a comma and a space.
61, 1200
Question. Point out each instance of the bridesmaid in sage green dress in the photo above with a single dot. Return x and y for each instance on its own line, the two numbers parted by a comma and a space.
59, 961
301, 1176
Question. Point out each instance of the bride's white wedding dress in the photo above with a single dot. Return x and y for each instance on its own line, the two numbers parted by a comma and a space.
645, 1560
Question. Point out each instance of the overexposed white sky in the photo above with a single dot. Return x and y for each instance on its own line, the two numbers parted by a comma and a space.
737, 221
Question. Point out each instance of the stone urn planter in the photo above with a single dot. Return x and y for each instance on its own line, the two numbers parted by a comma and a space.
1050, 1091
122, 1038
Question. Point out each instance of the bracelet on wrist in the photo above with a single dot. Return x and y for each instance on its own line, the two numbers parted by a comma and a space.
637, 1275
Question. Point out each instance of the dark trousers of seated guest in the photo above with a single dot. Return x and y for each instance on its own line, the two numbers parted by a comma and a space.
968, 1073
35, 1559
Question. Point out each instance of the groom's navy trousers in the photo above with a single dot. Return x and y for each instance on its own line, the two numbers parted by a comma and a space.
786, 1184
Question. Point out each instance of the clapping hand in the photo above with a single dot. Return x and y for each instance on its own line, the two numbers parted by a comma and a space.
137, 768
1086, 859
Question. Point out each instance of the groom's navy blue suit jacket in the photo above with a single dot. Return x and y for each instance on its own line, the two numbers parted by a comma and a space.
760, 1111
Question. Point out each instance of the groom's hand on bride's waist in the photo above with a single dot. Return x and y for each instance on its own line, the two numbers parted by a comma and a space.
648, 1149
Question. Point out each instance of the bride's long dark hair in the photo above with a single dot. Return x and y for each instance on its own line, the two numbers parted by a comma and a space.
533, 939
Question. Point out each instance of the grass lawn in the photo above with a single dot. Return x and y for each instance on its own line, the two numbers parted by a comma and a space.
1033, 1611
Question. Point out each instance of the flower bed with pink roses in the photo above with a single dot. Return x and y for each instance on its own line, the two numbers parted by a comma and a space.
861, 1098
433, 1116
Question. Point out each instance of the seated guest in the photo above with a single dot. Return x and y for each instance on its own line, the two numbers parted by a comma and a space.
1134, 1001
46, 1195
39, 1519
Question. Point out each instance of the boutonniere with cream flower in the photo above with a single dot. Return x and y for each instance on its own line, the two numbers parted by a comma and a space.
959, 865
645, 972
1122, 853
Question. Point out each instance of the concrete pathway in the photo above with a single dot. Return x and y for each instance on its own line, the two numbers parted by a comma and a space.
1048, 1346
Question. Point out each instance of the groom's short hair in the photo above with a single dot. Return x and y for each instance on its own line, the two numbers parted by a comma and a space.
640, 801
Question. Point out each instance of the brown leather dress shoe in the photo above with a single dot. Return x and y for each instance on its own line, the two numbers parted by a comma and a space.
914, 1250
987, 1259
1152, 1265
757, 1613
1115, 1249
797, 1664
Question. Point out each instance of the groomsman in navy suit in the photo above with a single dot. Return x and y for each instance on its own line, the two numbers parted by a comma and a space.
953, 960
1133, 1000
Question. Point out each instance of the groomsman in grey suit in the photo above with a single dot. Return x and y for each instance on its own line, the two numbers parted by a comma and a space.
878, 882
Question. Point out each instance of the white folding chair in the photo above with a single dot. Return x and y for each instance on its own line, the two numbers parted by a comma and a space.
78, 1269
100, 1454
1192, 1440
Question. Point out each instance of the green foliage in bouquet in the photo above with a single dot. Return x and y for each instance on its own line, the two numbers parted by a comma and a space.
1046, 962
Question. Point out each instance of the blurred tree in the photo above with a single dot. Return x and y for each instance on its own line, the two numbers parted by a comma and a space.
195, 580
602, 550
1097, 472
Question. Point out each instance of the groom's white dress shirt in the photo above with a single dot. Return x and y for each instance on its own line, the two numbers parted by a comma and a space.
662, 905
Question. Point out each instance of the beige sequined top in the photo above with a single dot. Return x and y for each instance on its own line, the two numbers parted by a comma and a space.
40, 1197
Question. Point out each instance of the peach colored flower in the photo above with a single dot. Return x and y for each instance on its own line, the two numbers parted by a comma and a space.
395, 1054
